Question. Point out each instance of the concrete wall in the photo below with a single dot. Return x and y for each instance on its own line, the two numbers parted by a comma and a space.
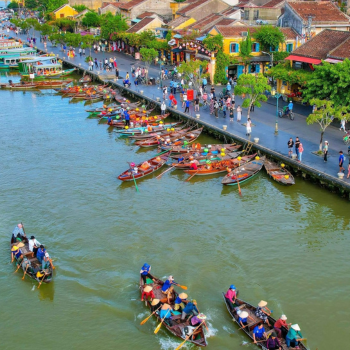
266, 14
160, 7
290, 19
91, 4
206, 9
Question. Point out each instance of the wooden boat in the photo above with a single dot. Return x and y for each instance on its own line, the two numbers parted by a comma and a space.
244, 306
279, 173
173, 136
187, 139
140, 130
103, 109
35, 265
244, 172
197, 151
138, 121
162, 132
220, 166
214, 149
177, 326
144, 168
85, 79
19, 86
52, 83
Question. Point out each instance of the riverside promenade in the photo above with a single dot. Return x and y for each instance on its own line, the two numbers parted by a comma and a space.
263, 119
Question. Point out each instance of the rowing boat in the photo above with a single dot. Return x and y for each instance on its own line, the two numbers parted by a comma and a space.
162, 132
135, 121
85, 79
34, 266
187, 139
145, 168
197, 152
244, 172
254, 321
219, 166
177, 327
213, 149
140, 130
279, 173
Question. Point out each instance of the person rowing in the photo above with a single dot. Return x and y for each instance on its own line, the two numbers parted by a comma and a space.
16, 253
273, 342
165, 313
262, 311
190, 309
168, 288
180, 302
155, 304
280, 323
243, 318
293, 336
230, 296
259, 333
147, 294
145, 272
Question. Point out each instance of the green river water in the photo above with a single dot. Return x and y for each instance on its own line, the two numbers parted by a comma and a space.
58, 174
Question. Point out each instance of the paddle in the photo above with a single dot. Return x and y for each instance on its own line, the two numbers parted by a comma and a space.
183, 287
239, 187
159, 176
160, 324
137, 189
188, 337
53, 267
25, 271
146, 319
192, 176
203, 321
26, 239
42, 280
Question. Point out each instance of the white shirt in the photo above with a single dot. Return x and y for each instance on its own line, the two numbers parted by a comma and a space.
33, 242
163, 106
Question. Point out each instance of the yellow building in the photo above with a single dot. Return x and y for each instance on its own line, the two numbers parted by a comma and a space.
64, 11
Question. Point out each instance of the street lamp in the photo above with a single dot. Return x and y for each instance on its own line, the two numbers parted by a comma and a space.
160, 61
277, 96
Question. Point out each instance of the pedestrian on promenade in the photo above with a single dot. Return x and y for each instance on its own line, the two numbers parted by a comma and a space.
342, 125
212, 91
91, 65
115, 63
231, 114
100, 65
348, 169
163, 108
301, 150
80, 51
252, 107
187, 109
228, 87
290, 144
216, 108
165, 92
117, 73
325, 151
83, 52
249, 127
341, 161
196, 104
239, 114
224, 108
211, 106
184, 98
297, 144
96, 63
171, 96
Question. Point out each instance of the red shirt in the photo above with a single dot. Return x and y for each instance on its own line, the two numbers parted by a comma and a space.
174, 102
146, 295
280, 323
171, 96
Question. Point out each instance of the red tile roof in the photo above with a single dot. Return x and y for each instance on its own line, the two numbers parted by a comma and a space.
177, 21
289, 33
229, 11
115, 4
191, 6
273, 3
138, 26
145, 14
235, 31
321, 44
342, 51
226, 21
129, 5
321, 11
204, 22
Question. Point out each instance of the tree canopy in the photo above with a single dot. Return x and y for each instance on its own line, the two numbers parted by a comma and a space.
91, 19
269, 37
111, 24
80, 8
193, 71
214, 43
12, 5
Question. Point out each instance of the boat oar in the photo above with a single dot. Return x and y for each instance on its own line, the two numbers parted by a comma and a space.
183, 287
146, 319
25, 271
42, 280
191, 176
188, 337
205, 324
137, 189
159, 176
239, 187
160, 324
51, 263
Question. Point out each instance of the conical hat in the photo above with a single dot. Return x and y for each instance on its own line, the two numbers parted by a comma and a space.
147, 289
295, 327
20, 244
166, 307
244, 314
183, 296
154, 302
262, 303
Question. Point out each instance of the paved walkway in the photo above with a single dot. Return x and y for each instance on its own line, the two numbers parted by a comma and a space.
263, 118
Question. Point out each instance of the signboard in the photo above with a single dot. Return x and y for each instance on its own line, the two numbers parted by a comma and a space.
31, 76
137, 55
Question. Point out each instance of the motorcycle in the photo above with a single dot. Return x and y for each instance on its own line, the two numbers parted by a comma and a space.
286, 113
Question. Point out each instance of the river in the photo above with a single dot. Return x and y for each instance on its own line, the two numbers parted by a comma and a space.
286, 245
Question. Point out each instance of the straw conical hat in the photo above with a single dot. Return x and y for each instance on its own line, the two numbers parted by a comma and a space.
166, 307
262, 303
244, 314
154, 302
183, 296
295, 327
147, 289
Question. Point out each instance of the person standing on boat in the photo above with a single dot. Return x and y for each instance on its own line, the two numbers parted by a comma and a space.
46, 261
262, 311
168, 288
231, 296
127, 118
34, 245
19, 233
281, 322
293, 336
40, 253
145, 272
259, 333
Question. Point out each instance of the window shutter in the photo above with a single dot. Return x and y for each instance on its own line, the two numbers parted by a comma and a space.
257, 49
257, 68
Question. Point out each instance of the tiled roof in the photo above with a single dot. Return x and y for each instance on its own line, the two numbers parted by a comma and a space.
226, 22
321, 11
191, 6
321, 44
145, 14
229, 11
204, 22
288, 32
129, 5
342, 51
61, 7
138, 26
273, 3
235, 31
177, 21
115, 4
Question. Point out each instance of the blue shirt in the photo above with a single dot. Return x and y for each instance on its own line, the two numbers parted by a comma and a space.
187, 103
174, 84
165, 313
40, 253
259, 332
109, 119
17, 253
290, 106
204, 81
171, 84
178, 300
341, 158
126, 115
17, 231
145, 269
244, 320
166, 285
228, 87
189, 308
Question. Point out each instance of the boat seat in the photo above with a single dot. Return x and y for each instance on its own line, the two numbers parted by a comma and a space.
269, 332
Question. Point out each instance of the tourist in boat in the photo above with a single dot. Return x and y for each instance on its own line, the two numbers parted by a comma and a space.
46, 261
243, 318
293, 336
168, 288
33, 245
127, 118
16, 253
230, 296
147, 294
40, 253
273, 342
145, 272
262, 311
180, 302
155, 304
165, 313
18, 233
259, 333
281, 322
190, 309
194, 165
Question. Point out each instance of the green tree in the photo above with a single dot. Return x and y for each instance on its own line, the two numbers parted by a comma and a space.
33, 24
91, 19
330, 81
252, 88
51, 5
57, 38
245, 50
269, 37
111, 24
47, 29
193, 71
65, 24
324, 114
73, 39
148, 56
214, 43
12, 5
80, 8
32, 4
88, 42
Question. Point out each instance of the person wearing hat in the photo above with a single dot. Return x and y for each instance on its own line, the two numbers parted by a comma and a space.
281, 322
40, 253
18, 233
33, 245
147, 294
259, 333
230, 296
46, 261
190, 309
197, 320
16, 253
293, 336
165, 313
168, 288
145, 272
180, 302
262, 311
243, 318
273, 343
155, 304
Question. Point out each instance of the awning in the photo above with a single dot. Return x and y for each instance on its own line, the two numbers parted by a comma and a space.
303, 59
332, 60
202, 57
177, 36
201, 38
